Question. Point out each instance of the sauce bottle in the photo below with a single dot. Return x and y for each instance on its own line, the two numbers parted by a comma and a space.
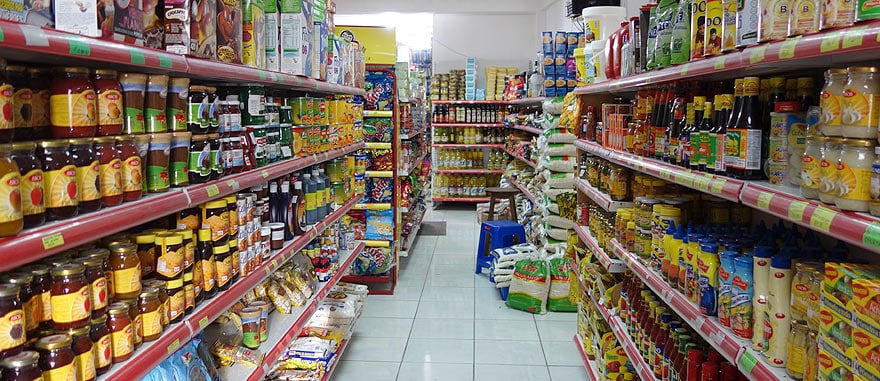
742, 288
297, 214
761, 275
777, 316
310, 188
708, 279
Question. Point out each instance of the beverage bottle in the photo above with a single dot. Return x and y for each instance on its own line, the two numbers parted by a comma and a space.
744, 139
704, 151
329, 196
320, 194
695, 133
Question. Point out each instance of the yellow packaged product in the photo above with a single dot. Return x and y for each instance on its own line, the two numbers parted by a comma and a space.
867, 349
865, 373
866, 299
831, 369
773, 19
838, 283
835, 335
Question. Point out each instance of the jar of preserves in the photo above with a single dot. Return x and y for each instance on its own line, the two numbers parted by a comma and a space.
42, 285
179, 159
164, 301
104, 255
21, 367
155, 102
216, 156
134, 314
860, 116
22, 102
7, 97
142, 143
134, 86
12, 337
31, 303
205, 249
235, 260
214, 115
828, 168
132, 168
87, 175
811, 171
188, 247
170, 255
11, 216
189, 293
110, 170
146, 250
109, 102
176, 110
619, 184
57, 359
200, 165
216, 216
830, 102
121, 332
126, 267
223, 266
198, 110
151, 314
158, 158
39, 83
83, 349
71, 304
100, 335
72, 104
98, 282
32, 207
176, 300
854, 174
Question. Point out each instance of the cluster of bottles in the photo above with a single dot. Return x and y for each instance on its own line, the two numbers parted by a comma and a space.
470, 135
474, 158
454, 113
304, 199
464, 186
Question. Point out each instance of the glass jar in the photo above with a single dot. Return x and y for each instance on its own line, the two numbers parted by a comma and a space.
176, 300
164, 302
215, 216
830, 102
134, 314
12, 337
619, 184
234, 112
860, 119
131, 168
11, 216
189, 293
83, 349
57, 359
798, 339
100, 335
216, 156
73, 106
813, 308
126, 267
59, 180
235, 260
198, 110
97, 281
21, 367
109, 102
222, 266
134, 86
854, 175
151, 314
104, 255
177, 107
811, 171
800, 289
121, 332
179, 159
214, 115
110, 171
170, 254
42, 284
32, 206
87, 175
155, 103
158, 158
828, 168
71, 307
874, 206
39, 83
30, 300
146, 250
200, 164
188, 248
205, 250
19, 91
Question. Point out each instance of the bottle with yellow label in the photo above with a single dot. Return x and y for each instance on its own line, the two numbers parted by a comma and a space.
854, 169
860, 103
811, 171
828, 170
11, 215
57, 357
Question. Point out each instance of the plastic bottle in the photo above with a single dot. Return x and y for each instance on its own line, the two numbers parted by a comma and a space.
682, 264
328, 190
691, 270
311, 190
320, 194
742, 290
726, 269
708, 279
667, 243
760, 279
777, 316
675, 255
297, 214
287, 214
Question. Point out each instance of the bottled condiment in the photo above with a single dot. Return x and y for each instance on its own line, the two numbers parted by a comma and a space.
854, 174
31, 170
59, 180
155, 102
109, 170
177, 300
134, 314
205, 251
158, 159
109, 102
126, 267
744, 160
104, 255
12, 338
57, 359
21, 367
19, 90
97, 282
165, 303
777, 318
170, 254
828, 181
200, 164
131, 168
177, 107
151, 311
73, 106
83, 349
42, 285
223, 266
860, 117
71, 307
100, 335
121, 332
146, 249
134, 86
741, 315
796, 347
87, 174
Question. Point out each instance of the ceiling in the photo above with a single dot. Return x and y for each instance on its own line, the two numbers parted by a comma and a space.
496, 7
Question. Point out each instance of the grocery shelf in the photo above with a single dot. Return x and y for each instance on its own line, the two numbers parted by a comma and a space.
590, 365
417, 165
471, 171
521, 158
718, 186
283, 328
151, 354
328, 375
612, 265
378, 114
534, 130
828, 48
461, 199
522, 189
485, 125
413, 134
645, 371
533, 101
377, 145
462, 102
216, 70
462, 145
411, 237
368, 279
373, 206
58, 236
602, 199
379, 174
737, 351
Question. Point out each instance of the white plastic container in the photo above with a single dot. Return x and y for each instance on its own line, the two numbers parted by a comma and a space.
599, 62
603, 21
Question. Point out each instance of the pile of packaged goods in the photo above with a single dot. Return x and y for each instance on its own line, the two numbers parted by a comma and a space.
412, 154
411, 118
558, 57
469, 135
319, 345
192, 361
372, 225
448, 86
468, 114
496, 81
534, 280
290, 36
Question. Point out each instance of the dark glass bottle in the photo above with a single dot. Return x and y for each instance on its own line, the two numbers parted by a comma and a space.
718, 133
705, 152
684, 137
744, 140
696, 134
676, 123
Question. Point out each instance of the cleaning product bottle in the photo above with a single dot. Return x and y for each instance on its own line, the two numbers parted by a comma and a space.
742, 291
760, 279
777, 315
310, 188
297, 212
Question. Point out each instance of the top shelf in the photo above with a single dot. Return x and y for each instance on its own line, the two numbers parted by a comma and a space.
531, 102
29, 43
834, 47
458, 102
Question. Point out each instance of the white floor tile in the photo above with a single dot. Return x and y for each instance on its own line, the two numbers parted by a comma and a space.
435, 372
439, 350
555, 330
401, 292
446, 258
404, 309
568, 373
383, 327
499, 311
485, 294
570, 317
488, 372
508, 352
446, 309
505, 330
448, 294
349, 370
442, 329
375, 349
458, 268
563, 353
451, 280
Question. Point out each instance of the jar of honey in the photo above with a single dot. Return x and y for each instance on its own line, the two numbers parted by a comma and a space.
71, 304
100, 335
151, 311
126, 266
121, 332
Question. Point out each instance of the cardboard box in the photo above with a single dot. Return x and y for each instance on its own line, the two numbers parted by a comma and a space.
229, 16
320, 39
121, 22
191, 27
253, 34
295, 25
154, 24
34, 12
273, 45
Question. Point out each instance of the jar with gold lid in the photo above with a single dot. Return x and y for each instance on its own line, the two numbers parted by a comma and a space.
150, 310
854, 168
71, 304
57, 359
21, 367
12, 337
121, 332
126, 266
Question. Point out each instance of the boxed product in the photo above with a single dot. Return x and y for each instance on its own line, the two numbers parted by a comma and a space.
77, 17
229, 15
547, 42
253, 34
273, 45
295, 35
191, 27
34, 12
121, 22
747, 23
559, 43
154, 24
318, 52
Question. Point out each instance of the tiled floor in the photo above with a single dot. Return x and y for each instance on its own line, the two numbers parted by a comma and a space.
445, 323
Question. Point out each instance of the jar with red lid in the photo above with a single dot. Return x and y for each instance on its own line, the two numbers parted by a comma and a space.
72, 104
109, 170
237, 153
21, 367
131, 168
30, 300
100, 335
31, 171
71, 298
83, 349
12, 337
39, 83
22, 108
109, 94
121, 332
87, 174
57, 359
59, 180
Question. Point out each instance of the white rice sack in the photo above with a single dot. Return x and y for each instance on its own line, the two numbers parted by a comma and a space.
552, 207
558, 234
553, 193
559, 135
501, 285
559, 222
530, 286
551, 122
503, 271
504, 278
557, 149
553, 105
560, 286
563, 164
561, 180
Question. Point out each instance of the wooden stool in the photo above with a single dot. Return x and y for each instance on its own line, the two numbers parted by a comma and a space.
502, 193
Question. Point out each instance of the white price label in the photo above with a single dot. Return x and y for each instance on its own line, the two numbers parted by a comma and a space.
667, 295
717, 338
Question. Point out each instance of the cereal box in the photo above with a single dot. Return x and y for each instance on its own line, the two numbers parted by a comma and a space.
77, 16
121, 21
191, 27
229, 16
253, 34
295, 36
273, 45
34, 12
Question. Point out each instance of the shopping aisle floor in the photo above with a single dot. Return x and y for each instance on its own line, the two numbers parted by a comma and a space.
446, 323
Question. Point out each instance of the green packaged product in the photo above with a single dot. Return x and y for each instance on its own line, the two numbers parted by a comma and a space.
662, 52
560, 286
681, 34
652, 40
529, 286
867, 10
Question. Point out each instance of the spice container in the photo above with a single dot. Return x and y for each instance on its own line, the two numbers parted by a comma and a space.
151, 311
158, 158
19, 92
87, 175
126, 267
179, 173
854, 175
178, 105
31, 170
155, 102
250, 326
109, 102
134, 86
83, 350
121, 332
12, 338
21, 367
57, 359
828, 169
176, 300
200, 162
73, 104
170, 254
71, 307
100, 335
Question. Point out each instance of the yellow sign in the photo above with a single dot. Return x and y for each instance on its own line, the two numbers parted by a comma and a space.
380, 43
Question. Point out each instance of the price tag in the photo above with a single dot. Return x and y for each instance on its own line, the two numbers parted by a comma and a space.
264, 173
165, 60
261, 74
830, 43
281, 78
137, 57
268, 270
757, 54
173, 346
684, 70
203, 322
53, 241
717, 338
79, 47
299, 81
275, 263
212, 190
1, 34
853, 37
747, 362
764, 200
822, 218
788, 48
796, 210
720, 62
872, 235
718, 185
231, 183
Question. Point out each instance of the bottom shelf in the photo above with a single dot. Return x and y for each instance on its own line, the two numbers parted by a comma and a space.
590, 365
411, 237
645, 372
461, 199
338, 357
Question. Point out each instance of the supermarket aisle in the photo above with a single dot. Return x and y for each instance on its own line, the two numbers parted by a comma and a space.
445, 323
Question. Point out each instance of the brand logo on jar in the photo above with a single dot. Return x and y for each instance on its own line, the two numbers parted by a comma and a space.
134, 162
116, 165
814, 297
26, 95
16, 317
807, 159
36, 178
7, 91
801, 287
13, 182
113, 96
825, 94
90, 95
70, 173
848, 93
779, 275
